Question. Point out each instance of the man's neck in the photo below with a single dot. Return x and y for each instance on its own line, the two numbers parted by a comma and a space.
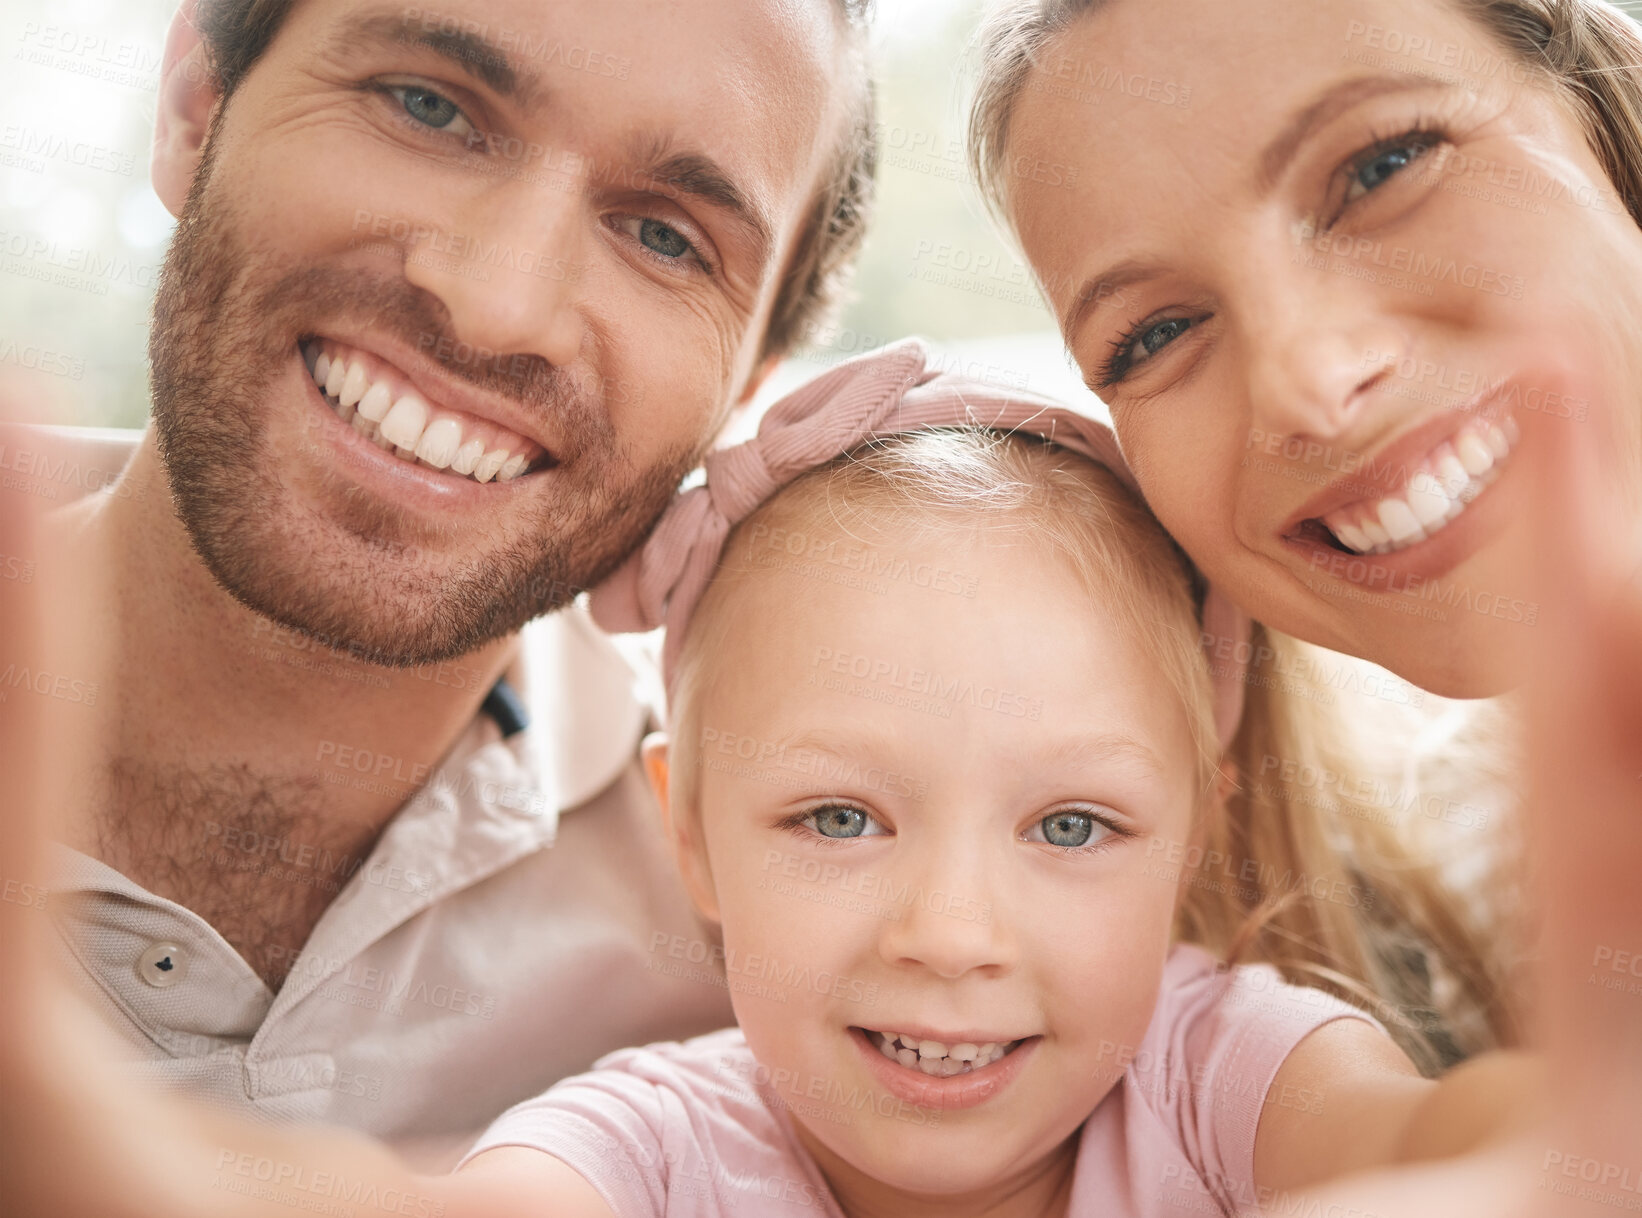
207, 720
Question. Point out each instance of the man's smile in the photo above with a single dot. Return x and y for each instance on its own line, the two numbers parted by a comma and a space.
378, 402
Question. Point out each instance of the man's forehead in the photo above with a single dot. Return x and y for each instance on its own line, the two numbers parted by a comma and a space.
731, 102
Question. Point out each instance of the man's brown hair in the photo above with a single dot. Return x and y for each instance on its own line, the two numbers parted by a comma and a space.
237, 32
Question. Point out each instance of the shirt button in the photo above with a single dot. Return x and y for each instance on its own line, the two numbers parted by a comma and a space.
162, 965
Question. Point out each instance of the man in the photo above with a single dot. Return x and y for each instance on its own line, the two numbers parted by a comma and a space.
456, 298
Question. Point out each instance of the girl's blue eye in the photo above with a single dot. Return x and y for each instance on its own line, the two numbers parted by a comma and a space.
426, 106
1069, 829
663, 240
840, 822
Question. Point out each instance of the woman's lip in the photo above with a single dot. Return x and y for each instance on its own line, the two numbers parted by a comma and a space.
1387, 472
944, 1094
394, 476
1482, 523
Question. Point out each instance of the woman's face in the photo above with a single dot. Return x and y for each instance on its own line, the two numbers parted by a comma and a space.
1323, 261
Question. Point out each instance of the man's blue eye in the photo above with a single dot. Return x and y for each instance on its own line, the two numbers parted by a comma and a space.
1068, 829
663, 240
426, 106
840, 822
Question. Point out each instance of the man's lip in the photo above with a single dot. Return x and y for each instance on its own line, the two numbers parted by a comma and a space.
943, 1094
439, 388
1387, 472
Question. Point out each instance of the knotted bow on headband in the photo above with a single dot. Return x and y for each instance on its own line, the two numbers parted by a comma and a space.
892, 390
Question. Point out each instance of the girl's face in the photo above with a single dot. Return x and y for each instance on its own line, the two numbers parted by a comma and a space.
1322, 260
939, 807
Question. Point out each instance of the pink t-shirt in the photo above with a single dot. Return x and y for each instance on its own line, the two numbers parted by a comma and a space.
695, 1130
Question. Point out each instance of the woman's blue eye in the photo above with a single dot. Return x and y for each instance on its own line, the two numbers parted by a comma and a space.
1376, 170
1162, 334
1068, 829
426, 106
663, 240
840, 822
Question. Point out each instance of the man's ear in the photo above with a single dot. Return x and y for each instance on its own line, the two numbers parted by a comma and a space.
755, 382
689, 852
182, 118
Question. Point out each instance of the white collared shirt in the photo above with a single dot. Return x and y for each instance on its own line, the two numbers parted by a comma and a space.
520, 916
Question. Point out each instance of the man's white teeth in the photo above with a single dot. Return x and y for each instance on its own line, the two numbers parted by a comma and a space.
374, 405
1443, 486
439, 442
353, 385
466, 458
405, 425
934, 1058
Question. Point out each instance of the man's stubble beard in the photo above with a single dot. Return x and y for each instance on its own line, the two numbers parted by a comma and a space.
226, 324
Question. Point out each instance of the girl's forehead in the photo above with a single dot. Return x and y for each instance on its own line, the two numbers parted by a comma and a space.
935, 639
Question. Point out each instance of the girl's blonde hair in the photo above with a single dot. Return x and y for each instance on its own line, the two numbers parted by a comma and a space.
1318, 881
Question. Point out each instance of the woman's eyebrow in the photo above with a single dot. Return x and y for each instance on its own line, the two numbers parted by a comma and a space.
464, 44
1334, 100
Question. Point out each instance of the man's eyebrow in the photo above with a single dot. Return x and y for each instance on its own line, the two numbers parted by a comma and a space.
469, 50
698, 176
1334, 100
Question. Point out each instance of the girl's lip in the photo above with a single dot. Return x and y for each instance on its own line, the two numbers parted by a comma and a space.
944, 1094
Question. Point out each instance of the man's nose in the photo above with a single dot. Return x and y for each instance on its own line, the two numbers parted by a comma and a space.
512, 273
1315, 350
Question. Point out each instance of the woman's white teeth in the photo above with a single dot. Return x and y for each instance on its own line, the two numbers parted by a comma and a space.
1442, 487
406, 425
934, 1058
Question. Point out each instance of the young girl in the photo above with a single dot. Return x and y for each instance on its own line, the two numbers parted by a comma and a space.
949, 769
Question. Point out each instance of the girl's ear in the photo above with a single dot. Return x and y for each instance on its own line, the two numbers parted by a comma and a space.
182, 119
681, 827
1211, 815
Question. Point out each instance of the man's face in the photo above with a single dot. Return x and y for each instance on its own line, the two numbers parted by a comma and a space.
542, 243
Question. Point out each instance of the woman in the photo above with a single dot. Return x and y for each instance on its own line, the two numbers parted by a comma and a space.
1354, 278
1328, 260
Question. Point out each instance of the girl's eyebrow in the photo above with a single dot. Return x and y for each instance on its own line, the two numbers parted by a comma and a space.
1093, 750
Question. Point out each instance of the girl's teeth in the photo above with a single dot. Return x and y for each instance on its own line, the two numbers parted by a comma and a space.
1439, 491
936, 1059
406, 426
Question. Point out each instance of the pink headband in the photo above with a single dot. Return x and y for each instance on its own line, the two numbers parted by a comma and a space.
892, 390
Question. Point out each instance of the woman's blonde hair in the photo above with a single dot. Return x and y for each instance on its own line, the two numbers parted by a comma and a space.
1320, 880
1588, 50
